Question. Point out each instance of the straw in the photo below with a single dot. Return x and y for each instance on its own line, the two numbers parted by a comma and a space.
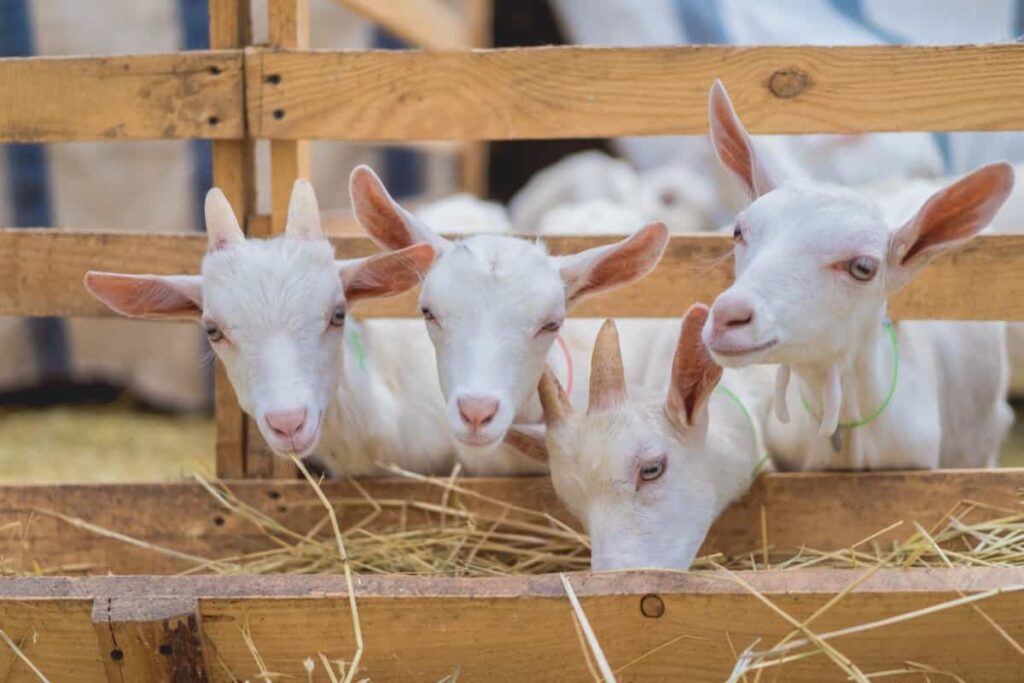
23, 657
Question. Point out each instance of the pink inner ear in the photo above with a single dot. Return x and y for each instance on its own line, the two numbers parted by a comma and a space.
958, 212
625, 262
377, 212
387, 274
694, 373
733, 146
145, 296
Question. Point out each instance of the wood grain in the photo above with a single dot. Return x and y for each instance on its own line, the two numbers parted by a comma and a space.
575, 92
824, 511
521, 628
44, 269
234, 172
430, 24
141, 97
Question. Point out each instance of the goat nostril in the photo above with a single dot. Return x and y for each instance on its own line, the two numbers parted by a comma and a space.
477, 411
287, 423
739, 322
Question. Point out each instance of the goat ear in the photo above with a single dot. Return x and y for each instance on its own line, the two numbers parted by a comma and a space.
387, 274
387, 223
303, 213
694, 376
159, 297
556, 405
222, 228
949, 218
602, 268
607, 377
733, 146
529, 441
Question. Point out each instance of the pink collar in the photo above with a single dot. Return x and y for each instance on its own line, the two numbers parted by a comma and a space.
568, 364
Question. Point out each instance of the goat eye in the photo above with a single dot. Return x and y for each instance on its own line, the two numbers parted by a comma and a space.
552, 326
862, 268
737, 234
651, 470
427, 315
213, 332
338, 317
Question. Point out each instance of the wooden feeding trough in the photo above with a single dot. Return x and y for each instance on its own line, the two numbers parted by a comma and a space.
142, 623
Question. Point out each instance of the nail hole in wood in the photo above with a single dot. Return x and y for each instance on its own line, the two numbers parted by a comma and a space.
274, 495
213, 120
274, 79
786, 83
652, 606
166, 650
218, 520
116, 655
279, 114
214, 70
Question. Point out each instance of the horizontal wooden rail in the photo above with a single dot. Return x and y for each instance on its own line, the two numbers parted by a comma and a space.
651, 625
823, 511
179, 95
573, 92
43, 269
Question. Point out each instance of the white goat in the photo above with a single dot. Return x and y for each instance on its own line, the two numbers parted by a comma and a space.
647, 479
275, 312
494, 308
815, 265
465, 214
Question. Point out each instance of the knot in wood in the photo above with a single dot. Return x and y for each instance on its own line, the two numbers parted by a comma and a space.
652, 606
786, 83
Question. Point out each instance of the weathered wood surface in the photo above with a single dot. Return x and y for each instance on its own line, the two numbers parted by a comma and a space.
181, 95
234, 172
822, 511
43, 272
430, 24
575, 92
521, 628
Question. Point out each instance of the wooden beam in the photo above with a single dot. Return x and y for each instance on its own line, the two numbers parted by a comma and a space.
823, 511
288, 22
234, 172
141, 97
515, 628
575, 92
43, 272
150, 638
476, 155
429, 24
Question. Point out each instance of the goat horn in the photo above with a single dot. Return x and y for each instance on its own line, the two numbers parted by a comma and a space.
607, 377
557, 408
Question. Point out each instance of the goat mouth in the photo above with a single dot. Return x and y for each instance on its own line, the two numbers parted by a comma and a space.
477, 439
738, 351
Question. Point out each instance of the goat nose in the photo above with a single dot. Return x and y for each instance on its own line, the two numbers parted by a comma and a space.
287, 423
731, 313
477, 411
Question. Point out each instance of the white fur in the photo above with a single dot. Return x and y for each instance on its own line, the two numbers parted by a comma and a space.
465, 214
808, 313
595, 457
487, 300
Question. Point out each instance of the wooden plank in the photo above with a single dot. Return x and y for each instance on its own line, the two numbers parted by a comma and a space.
521, 628
824, 511
150, 638
55, 633
476, 155
575, 92
429, 24
180, 95
43, 272
234, 172
288, 22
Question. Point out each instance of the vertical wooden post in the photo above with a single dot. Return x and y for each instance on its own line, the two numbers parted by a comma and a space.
233, 172
288, 27
288, 24
476, 155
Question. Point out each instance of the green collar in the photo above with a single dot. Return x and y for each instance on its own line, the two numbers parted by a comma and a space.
892, 388
357, 346
750, 420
